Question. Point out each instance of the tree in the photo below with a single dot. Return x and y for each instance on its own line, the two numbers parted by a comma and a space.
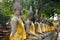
5, 11
45, 8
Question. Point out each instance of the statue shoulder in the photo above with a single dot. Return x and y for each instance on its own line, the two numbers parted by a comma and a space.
14, 19
28, 22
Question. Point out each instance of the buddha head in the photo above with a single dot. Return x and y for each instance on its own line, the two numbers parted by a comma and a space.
31, 14
17, 8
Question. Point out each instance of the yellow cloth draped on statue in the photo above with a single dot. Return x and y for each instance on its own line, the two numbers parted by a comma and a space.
20, 31
48, 28
52, 28
43, 28
39, 28
32, 30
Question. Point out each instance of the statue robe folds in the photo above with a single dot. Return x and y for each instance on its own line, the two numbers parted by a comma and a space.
20, 31
32, 29
39, 30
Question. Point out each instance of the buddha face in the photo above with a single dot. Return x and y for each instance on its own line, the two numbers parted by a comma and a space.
31, 15
17, 8
36, 18
17, 11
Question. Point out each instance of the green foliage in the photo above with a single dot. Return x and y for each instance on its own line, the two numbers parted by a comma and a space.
5, 11
47, 8
6, 7
4, 19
